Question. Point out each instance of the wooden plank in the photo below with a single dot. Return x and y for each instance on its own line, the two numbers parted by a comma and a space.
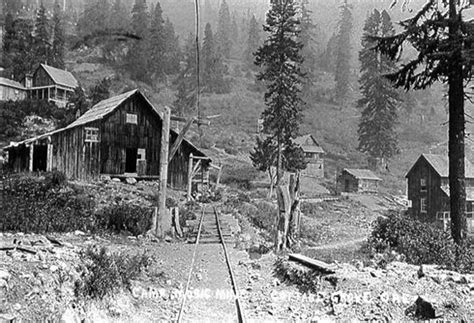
180, 138
313, 263
165, 135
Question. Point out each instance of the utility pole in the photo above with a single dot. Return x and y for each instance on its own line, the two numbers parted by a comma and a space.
165, 138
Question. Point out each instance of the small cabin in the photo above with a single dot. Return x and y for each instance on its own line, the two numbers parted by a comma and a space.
357, 181
118, 137
11, 90
428, 190
52, 84
313, 156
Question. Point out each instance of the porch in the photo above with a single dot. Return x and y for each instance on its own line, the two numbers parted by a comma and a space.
445, 218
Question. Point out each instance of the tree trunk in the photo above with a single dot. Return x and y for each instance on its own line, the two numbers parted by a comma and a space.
279, 161
272, 184
456, 131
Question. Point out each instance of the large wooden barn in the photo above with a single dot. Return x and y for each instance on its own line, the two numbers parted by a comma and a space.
120, 136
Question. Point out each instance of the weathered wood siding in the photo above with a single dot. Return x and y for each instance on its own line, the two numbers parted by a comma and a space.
348, 183
117, 136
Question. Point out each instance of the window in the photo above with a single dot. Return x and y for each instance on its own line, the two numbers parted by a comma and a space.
92, 134
132, 118
141, 154
423, 184
423, 205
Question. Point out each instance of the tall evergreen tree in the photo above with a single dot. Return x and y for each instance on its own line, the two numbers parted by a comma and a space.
137, 57
58, 37
280, 60
253, 42
95, 17
234, 35
377, 135
119, 18
343, 52
442, 39
186, 80
157, 42
100, 91
42, 37
172, 51
307, 38
224, 30
212, 66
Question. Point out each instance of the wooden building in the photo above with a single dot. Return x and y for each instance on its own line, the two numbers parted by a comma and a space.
428, 190
357, 181
51, 83
313, 156
11, 90
120, 137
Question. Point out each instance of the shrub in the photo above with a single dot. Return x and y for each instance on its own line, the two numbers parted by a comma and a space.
34, 204
261, 215
107, 272
240, 177
307, 280
125, 217
419, 242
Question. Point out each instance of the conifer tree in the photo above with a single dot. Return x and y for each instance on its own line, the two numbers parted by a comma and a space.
252, 42
119, 19
172, 51
137, 57
212, 66
280, 60
224, 30
307, 38
100, 91
42, 37
157, 42
58, 37
186, 81
234, 35
343, 52
377, 135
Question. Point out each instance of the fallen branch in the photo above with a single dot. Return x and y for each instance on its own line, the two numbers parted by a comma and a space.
19, 249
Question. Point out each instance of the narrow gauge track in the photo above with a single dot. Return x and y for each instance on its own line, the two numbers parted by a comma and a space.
211, 231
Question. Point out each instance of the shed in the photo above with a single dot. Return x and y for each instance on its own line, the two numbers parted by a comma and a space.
51, 83
313, 156
357, 181
11, 90
120, 136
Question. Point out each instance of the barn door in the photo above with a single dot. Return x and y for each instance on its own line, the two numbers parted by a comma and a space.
141, 161
131, 160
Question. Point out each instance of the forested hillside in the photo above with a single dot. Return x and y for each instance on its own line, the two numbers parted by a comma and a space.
115, 45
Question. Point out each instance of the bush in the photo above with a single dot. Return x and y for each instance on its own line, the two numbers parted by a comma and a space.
107, 272
262, 215
125, 217
34, 204
419, 242
240, 177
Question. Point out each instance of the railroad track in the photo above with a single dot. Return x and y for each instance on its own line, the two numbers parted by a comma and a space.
212, 230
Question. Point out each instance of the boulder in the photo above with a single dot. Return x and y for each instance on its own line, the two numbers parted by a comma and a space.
131, 180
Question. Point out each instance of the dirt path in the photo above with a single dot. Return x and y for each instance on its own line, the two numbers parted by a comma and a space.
338, 245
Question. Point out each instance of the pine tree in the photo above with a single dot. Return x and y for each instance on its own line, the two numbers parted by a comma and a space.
224, 30
157, 42
234, 35
253, 42
137, 57
280, 60
172, 51
22, 54
442, 39
186, 81
119, 19
307, 38
212, 66
58, 37
343, 53
95, 17
42, 37
377, 135
9, 38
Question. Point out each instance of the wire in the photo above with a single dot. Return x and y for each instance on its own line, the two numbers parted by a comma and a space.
198, 72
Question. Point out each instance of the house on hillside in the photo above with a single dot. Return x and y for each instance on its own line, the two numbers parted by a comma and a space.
52, 84
313, 156
428, 190
357, 181
11, 90
119, 137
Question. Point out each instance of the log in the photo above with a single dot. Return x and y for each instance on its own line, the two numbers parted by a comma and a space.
313, 263
19, 249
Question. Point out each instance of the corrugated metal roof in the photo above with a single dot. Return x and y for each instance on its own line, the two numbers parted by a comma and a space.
362, 173
302, 141
441, 165
61, 77
11, 83
469, 193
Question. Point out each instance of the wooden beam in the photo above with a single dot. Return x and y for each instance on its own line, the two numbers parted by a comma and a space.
313, 263
180, 138
165, 136
190, 175
30, 165
196, 168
